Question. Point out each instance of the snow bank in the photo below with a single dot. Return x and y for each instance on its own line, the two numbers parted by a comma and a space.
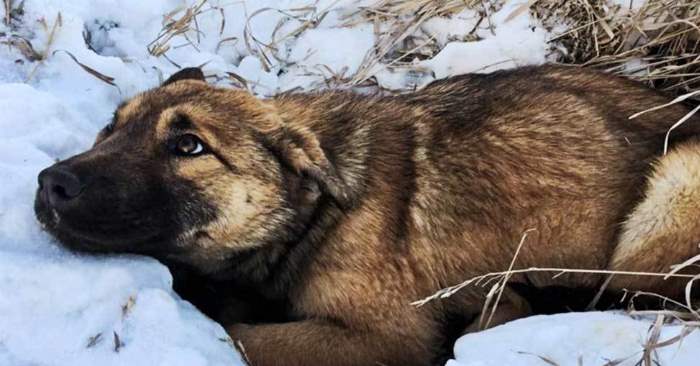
575, 339
514, 42
60, 308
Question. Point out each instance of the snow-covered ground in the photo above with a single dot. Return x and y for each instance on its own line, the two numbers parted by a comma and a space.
58, 308
576, 339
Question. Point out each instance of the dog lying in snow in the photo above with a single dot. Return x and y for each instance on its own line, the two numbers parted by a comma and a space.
333, 211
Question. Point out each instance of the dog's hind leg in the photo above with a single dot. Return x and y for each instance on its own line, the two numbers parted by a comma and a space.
664, 229
511, 307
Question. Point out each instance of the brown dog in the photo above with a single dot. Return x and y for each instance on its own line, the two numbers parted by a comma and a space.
337, 210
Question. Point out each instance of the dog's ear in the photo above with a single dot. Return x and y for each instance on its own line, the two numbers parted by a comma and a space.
299, 149
188, 73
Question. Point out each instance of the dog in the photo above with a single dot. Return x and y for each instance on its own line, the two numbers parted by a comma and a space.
333, 211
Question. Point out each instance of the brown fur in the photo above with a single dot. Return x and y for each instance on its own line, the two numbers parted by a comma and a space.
346, 208
663, 229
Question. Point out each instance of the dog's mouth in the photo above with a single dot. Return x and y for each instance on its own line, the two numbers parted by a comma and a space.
86, 235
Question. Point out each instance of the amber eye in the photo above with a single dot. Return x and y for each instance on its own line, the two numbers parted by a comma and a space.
188, 145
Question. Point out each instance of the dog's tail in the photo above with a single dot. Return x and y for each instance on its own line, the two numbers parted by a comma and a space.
664, 229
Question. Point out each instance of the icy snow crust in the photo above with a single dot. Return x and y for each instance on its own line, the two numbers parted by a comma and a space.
575, 339
58, 308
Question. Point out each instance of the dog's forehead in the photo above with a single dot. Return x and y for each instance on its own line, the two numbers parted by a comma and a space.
196, 100
153, 102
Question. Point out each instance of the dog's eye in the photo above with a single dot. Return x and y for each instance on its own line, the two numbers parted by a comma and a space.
188, 145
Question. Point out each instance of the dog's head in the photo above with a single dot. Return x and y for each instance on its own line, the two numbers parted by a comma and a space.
188, 172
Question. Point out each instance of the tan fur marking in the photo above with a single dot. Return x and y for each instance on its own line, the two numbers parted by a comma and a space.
664, 229
197, 114
128, 111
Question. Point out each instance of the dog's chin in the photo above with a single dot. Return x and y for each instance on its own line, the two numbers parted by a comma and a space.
83, 241
80, 238
79, 242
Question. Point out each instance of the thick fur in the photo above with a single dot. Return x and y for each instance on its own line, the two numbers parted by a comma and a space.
664, 228
335, 211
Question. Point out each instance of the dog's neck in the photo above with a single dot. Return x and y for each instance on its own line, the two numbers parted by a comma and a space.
355, 142
273, 267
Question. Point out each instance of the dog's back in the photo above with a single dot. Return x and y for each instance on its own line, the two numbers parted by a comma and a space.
550, 149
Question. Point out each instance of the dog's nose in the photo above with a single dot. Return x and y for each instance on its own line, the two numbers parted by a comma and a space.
58, 185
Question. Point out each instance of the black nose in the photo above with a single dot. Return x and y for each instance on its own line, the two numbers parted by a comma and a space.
58, 185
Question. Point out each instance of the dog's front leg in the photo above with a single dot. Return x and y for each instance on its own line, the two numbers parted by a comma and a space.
324, 343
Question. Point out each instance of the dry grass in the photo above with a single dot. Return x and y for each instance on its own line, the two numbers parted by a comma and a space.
679, 313
183, 22
308, 18
13, 11
11, 15
397, 25
19, 40
494, 277
649, 356
118, 343
494, 295
180, 21
51, 32
659, 43
686, 313
7, 5
94, 340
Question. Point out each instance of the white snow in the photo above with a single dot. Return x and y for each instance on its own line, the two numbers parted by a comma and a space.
319, 48
54, 302
574, 339
58, 308
513, 42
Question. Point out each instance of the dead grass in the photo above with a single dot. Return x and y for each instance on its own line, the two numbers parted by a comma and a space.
308, 18
13, 11
20, 41
397, 25
659, 43
686, 314
180, 21
7, 5
51, 32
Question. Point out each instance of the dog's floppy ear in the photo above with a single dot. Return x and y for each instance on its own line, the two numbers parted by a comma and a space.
299, 149
188, 73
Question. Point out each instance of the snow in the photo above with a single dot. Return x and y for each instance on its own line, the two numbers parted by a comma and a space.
54, 302
59, 302
319, 47
514, 42
575, 339
60, 308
